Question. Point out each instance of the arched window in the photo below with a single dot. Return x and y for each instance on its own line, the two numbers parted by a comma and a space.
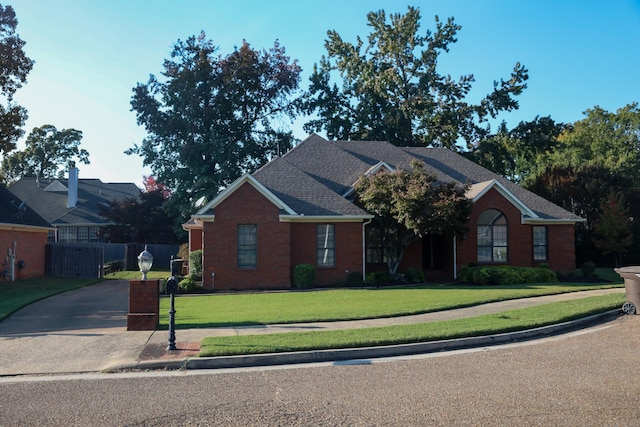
492, 236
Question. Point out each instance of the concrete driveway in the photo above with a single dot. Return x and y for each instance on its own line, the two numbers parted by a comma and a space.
78, 331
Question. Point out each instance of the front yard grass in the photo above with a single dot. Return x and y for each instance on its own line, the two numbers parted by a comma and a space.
507, 321
15, 295
345, 304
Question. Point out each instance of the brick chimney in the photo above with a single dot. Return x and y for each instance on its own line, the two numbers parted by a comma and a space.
72, 197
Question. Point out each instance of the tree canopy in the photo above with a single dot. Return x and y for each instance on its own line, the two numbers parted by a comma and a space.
612, 233
410, 204
602, 139
392, 91
515, 154
14, 67
212, 118
47, 154
143, 220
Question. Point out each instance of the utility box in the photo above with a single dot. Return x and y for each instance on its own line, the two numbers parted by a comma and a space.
631, 276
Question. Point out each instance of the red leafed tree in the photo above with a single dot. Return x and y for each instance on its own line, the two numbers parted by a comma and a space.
151, 184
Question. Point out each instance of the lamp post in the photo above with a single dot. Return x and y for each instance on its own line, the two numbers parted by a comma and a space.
145, 261
172, 289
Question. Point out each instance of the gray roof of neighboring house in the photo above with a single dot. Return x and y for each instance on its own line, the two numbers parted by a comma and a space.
15, 211
49, 198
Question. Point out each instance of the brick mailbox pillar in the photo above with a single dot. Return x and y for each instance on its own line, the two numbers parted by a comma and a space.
144, 305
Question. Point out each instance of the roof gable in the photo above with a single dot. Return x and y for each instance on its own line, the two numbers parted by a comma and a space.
476, 191
208, 209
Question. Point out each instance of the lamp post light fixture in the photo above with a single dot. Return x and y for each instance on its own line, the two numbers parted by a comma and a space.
145, 261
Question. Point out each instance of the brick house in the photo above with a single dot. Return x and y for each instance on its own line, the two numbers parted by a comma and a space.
23, 237
298, 209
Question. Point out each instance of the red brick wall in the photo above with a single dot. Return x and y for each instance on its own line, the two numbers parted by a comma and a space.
561, 249
30, 247
195, 239
144, 305
348, 250
220, 251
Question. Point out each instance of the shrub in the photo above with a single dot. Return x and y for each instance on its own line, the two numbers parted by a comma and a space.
195, 260
481, 276
354, 278
370, 278
588, 269
506, 275
304, 275
545, 275
466, 273
414, 275
378, 277
187, 285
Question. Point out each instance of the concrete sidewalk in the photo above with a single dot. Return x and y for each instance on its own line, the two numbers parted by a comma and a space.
96, 349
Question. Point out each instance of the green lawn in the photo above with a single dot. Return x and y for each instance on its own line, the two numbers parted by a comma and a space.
15, 295
482, 325
345, 304
136, 275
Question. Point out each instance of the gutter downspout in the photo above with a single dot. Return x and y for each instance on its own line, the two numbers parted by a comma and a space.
455, 258
364, 248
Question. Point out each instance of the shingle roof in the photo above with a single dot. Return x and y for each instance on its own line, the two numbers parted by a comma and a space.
14, 211
313, 177
453, 166
302, 192
52, 204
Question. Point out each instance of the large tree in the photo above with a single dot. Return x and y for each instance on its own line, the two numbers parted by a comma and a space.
602, 139
47, 154
14, 67
613, 234
391, 89
140, 221
516, 153
212, 118
411, 204
582, 190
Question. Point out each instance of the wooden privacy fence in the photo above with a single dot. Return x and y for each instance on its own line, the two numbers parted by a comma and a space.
89, 259
74, 260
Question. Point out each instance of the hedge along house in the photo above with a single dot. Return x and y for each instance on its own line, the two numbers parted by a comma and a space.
299, 208
23, 237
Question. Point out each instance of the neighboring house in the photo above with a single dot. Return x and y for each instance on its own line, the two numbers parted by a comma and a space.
298, 209
23, 237
72, 205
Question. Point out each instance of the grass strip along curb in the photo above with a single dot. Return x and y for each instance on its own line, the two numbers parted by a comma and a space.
508, 321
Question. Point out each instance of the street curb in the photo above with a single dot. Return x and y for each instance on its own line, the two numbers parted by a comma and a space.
341, 355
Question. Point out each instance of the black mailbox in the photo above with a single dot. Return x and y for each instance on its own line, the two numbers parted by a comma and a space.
172, 286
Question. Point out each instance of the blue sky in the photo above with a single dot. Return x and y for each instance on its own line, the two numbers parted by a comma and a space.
90, 54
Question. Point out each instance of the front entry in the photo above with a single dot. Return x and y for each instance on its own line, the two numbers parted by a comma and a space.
437, 257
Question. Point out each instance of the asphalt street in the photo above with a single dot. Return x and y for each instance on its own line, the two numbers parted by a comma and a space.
583, 378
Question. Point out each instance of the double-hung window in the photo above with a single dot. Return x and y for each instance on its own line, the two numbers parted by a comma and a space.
540, 243
247, 246
326, 245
